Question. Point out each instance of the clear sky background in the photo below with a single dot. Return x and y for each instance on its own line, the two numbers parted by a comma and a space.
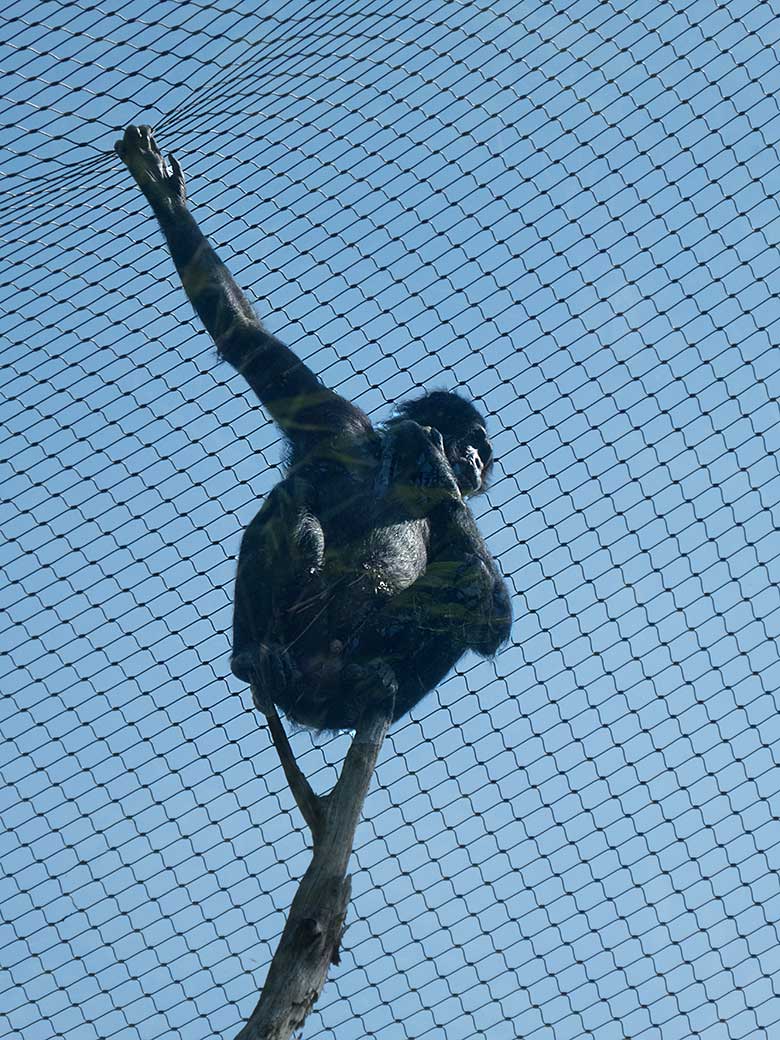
570, 211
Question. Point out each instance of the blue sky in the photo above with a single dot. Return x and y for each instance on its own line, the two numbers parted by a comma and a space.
568, 210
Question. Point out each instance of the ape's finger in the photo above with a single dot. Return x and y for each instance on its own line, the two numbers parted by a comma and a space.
178, 172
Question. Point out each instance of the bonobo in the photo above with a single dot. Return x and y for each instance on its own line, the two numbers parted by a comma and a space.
364, 575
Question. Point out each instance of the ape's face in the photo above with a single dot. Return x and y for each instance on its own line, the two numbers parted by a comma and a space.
471, 457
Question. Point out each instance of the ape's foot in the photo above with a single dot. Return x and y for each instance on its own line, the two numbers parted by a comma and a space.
159, 183
371, 683
269, 670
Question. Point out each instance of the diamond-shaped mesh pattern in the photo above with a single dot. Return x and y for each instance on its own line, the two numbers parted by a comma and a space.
567, 209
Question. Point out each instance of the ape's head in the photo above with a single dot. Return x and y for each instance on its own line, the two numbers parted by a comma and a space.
462, 427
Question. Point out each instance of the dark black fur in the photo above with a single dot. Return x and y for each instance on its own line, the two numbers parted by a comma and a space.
364, 574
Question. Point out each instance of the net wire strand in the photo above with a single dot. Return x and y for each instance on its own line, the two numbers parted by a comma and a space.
579, 840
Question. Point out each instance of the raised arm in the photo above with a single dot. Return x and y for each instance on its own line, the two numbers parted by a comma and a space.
293, 395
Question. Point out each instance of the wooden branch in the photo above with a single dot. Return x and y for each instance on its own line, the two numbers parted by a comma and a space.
310, 804
312, 934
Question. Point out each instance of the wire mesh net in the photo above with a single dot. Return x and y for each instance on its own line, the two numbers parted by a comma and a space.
565, 209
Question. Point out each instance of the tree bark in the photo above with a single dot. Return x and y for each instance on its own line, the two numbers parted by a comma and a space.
311, 937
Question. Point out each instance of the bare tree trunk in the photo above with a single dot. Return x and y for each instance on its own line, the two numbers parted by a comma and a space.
312, 935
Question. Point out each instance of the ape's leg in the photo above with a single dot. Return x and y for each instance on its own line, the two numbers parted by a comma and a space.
410, 640
280, 558
460, 603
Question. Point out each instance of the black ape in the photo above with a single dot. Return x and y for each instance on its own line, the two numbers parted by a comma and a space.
364, 574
